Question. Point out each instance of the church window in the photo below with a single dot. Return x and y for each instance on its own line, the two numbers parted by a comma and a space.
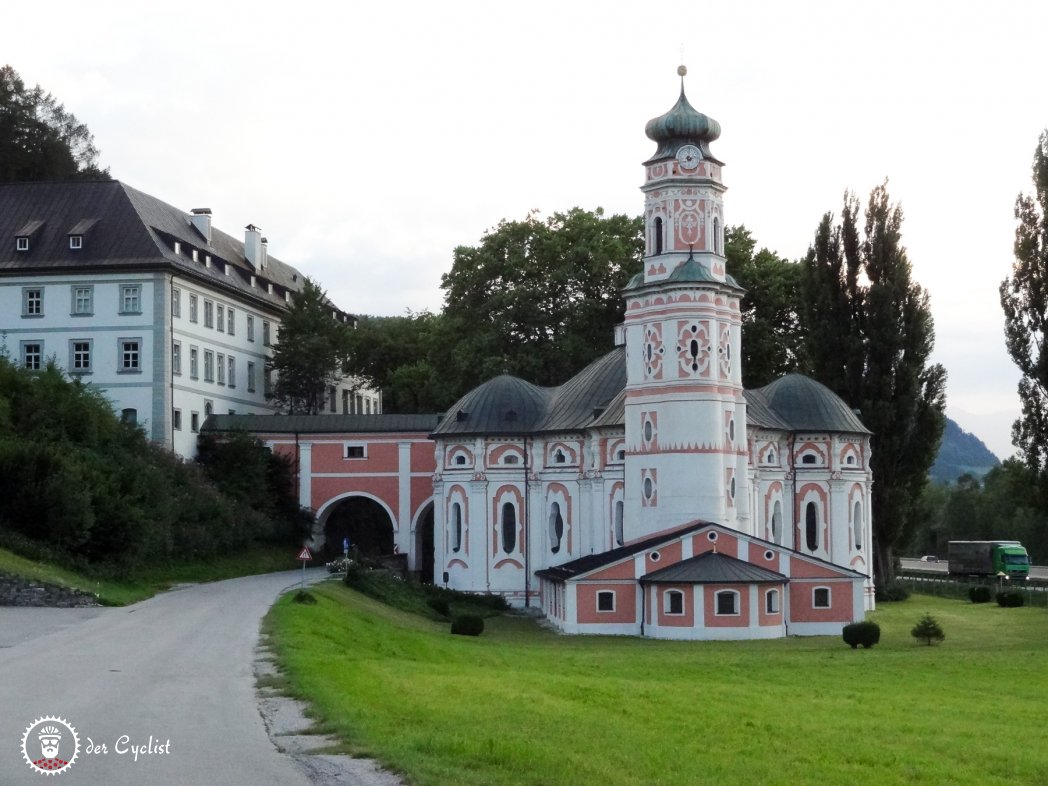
456, 527
811, 526
769, 555
776, 522
606, 600
727, 603
649, 431
771, 601
620, 455
809, 458
673, 602
556, 527
716, 236
355, 452
511, 458
820, 598
771, 457
731, 430
649, 488
658, 236
850, 460
559, 457
655, 556
711, 537
618, 522
460, 460
857, 524
509, 527
731, 489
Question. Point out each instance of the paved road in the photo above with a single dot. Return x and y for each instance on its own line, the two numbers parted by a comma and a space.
177, 667
1036, 571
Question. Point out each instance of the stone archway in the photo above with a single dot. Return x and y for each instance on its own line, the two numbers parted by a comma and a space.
423, 545
364, 521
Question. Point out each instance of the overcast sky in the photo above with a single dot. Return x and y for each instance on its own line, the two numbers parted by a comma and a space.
369, 139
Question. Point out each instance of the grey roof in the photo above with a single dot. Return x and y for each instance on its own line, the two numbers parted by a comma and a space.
503, 405
713, 568
807, 405
129, 230
585, 397
614, 414
322, 424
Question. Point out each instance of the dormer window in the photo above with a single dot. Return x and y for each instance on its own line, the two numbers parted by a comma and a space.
21, 244
76, 242
178, 247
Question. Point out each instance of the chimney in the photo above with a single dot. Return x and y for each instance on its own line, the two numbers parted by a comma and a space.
253, 248
201, 221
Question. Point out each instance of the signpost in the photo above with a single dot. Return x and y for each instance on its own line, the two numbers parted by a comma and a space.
305, 556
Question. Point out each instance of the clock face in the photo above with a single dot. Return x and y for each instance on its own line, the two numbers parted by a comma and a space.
688, 157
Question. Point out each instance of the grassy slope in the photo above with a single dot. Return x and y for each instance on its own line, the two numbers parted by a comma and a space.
132, 588
521, 705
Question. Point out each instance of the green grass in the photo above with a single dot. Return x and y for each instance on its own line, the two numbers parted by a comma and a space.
143, 584
522, 705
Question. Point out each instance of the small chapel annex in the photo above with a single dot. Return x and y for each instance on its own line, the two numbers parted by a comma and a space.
650, 494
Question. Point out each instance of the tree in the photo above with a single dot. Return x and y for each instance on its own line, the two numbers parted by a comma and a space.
771, 334
39, 139
869, 336
928, 630
1024, 298
539, 298
310, 354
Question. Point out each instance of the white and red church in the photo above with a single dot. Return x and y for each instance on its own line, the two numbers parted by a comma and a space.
648, 495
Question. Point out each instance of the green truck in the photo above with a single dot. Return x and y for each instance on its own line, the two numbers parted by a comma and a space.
989, 558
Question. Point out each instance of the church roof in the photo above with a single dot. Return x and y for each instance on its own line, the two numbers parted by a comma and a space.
680, 126
585, 397
713, 568
503, 405
806, 405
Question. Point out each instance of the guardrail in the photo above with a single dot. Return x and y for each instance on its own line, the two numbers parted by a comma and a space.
930, 583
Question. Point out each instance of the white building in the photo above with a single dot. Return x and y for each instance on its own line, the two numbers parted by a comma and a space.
171, 318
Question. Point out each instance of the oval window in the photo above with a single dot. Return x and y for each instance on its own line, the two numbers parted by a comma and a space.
649, 488
509, 528
811, 526
649, 431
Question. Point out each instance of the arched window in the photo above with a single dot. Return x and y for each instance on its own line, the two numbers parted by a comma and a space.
716, 235
809, 458
776, 522
460, 459
509, 527
618, 523
771, 601
511, 458
208, 409
658, 236
556, 527
559, 457
727, 603
456, 527
857, 524
673, 602
811, 526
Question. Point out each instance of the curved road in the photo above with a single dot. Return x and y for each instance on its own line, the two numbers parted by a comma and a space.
178, 667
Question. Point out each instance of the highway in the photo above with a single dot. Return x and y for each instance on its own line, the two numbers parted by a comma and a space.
1036, 571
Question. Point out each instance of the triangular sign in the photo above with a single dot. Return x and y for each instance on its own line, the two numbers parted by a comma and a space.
304, 554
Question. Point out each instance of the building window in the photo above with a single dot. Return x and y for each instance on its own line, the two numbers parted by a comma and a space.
209, 314
194, 365
265, 333
32, 302
231, 321
76, 242
176, 419
129, 416
776, 522
209, 409
820, 598
209, 366
21, 244
727, 603
80, 356
618, 522
509, 458
192, 308
606, 600
83, 301
250, 377
32, 355
716, 236
771, 601
811, 526
556, 527
250, 327
176, 357
460, 460
809, 458
658, 236
220, 318
176, 303
194, 422
220, 364
355, 452
267, 382
456, 527
130, 299
130, 354
231, 365
673, 602
857, 524
509, 527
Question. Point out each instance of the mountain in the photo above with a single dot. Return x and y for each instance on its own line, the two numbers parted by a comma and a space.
961, 452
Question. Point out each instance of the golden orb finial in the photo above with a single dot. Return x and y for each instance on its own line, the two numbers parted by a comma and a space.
682, 70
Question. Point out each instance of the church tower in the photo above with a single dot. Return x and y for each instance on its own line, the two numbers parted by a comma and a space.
685, 410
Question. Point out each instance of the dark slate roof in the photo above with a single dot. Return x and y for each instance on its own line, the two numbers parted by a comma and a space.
128, 230
592, 562
615, 413
503, 405
585, 397
322, 424
807, 405
760, 414
713, 568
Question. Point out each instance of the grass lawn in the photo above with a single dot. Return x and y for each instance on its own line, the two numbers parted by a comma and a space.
522, 705
145, 584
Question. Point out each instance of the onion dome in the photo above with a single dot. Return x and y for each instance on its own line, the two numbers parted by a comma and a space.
682, 125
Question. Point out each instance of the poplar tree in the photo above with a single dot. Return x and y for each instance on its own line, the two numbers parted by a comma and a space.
869, 336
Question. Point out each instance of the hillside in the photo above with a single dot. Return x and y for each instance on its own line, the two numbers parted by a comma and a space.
959, 453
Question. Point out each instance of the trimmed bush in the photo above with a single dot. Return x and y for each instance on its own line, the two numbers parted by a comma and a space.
892, 593
1010, 599
439, 605
928, 630
467, 625
865, 633
980, 594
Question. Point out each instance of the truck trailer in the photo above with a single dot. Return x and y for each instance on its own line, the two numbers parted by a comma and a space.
989, 558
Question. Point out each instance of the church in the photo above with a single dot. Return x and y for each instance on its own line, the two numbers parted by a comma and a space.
649, 495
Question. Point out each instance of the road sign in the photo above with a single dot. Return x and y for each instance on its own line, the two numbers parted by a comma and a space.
304, 554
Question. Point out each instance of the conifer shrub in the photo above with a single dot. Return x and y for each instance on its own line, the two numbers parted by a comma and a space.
865, 633
928, 630
1010, 599
980, 594
467, 625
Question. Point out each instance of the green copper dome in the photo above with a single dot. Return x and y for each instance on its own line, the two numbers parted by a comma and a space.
682, 125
